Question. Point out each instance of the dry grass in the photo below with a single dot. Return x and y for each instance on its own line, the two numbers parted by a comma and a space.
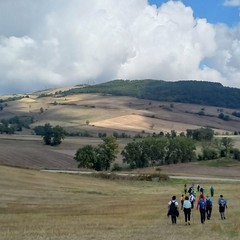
124, 114
40, 205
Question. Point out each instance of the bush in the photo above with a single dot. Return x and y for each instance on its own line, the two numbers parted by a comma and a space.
116, 167
131, 177
209, 153
236, 154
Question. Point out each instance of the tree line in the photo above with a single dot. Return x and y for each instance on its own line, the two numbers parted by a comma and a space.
158, 150
17, 123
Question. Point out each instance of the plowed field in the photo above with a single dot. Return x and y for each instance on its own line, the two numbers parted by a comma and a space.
33, 154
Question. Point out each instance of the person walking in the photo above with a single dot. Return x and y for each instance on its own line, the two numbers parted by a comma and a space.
185, 189
212, 191
222, 202
192, 199
187, 206
182, 200
173, 210
208, 207
201, 205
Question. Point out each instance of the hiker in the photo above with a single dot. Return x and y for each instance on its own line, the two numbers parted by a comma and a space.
185, 189
182, 200
201, 191
192, 199
212, 191
190, 190
198, 187
222, 202
173, 210
187, 210
201, 205
208, 207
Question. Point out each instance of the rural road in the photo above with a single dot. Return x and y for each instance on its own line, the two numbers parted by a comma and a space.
172, 177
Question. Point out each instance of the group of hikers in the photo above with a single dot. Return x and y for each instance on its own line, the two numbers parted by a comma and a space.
203, 203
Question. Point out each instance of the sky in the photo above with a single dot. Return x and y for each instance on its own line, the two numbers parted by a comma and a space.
55, 43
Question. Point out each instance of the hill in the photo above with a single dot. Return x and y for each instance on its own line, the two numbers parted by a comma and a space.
194, 92
91, 114
88, 115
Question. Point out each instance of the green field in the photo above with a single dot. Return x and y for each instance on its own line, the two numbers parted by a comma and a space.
39, 205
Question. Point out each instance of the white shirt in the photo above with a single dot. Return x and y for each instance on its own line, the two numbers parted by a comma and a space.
176, 203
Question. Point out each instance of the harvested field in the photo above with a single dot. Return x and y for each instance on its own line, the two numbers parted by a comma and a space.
37, 205
33, 154
110, 113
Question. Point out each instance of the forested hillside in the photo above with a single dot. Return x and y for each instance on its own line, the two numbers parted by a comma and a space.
197, 92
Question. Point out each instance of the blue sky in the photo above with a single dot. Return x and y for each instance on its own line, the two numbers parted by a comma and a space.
215, 11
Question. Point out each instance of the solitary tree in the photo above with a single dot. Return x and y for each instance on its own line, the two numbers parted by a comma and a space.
52, 135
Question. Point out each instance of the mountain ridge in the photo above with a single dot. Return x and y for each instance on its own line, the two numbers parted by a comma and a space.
183, 91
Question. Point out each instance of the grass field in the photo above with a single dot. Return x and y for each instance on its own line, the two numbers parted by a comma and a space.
40, 205
48, 206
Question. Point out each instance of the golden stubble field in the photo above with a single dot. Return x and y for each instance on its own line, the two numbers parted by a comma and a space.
40, 205
123, 114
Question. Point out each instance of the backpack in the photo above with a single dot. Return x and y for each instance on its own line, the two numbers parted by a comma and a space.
202, 204
192, 198
208, 202
222, 203
173, 209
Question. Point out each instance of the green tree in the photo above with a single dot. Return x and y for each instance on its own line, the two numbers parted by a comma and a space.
134, 155
210, 149
181, 149
39, 130
52, 135
47, 134
86, 156
227, 145
155, 149
236, 154
58, 134
200, 134
108, 151
100, 157
173, 133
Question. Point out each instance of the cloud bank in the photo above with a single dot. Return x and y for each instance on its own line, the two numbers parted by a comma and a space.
51, 43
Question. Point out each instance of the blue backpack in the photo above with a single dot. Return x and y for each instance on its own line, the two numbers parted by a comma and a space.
202, 204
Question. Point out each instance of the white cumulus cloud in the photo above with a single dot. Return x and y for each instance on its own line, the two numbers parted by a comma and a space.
51, 43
